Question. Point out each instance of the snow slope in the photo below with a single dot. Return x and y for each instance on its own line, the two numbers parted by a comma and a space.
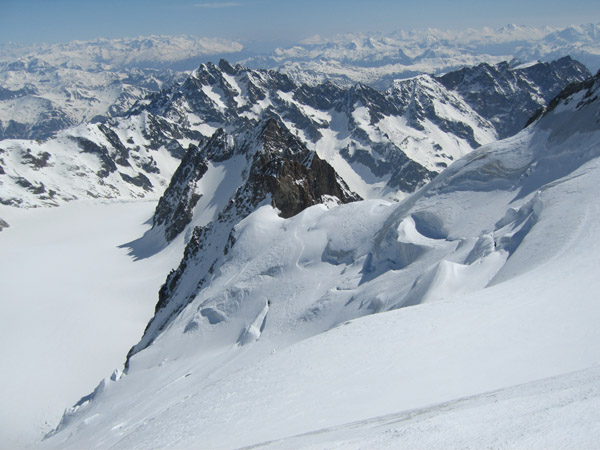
534, 416
484, 279
71, 303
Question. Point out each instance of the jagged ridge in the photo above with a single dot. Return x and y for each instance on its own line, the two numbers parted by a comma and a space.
280, 171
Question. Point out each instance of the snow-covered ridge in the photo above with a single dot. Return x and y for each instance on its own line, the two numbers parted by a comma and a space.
382, 143
266, 166
482, 280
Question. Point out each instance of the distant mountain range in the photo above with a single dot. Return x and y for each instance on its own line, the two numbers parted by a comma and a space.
381, 143
140, 52
46, 88
378, 59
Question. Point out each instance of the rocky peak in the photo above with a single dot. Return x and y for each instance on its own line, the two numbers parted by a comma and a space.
294, 176
175, 208
277, 141
287, 175
228, 68
372, 99
508, 97
591, 86
279, 166
219, 147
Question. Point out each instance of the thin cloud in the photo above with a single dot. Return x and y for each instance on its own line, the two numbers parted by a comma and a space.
215, 5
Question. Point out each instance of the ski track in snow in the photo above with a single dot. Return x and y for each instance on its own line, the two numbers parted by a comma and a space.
480, 421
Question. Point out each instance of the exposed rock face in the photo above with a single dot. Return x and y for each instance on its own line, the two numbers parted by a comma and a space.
589, 96
294, 177
507, 96
3, 224
366, 126
279, 165
175, 207
280, 171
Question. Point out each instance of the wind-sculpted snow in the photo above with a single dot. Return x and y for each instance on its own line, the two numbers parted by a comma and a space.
481, 280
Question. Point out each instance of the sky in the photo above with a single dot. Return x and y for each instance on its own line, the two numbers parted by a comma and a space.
276, 22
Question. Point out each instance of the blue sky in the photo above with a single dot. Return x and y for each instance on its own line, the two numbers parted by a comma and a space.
269, 21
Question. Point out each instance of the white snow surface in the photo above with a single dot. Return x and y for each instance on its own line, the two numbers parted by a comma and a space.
484, 282
532, 416
72, 303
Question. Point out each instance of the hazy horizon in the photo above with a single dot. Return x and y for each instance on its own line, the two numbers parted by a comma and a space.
268, 22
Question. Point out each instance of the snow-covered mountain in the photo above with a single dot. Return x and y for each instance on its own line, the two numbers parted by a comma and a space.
484, 279
131, 159
137, 52
37, 99
47, 88
378, 59
506, 96
381, 143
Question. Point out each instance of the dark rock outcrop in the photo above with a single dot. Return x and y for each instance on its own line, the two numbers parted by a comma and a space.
508, 96
175, 207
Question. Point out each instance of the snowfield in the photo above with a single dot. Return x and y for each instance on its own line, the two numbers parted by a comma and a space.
532, 416
486, 334
73, 302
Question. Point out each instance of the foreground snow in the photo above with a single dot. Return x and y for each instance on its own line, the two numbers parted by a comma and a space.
560, 412
72, 302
